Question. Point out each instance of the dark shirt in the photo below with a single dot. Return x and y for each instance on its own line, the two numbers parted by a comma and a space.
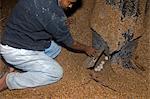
34, 23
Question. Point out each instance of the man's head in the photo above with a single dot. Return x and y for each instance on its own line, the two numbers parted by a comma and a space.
65, 4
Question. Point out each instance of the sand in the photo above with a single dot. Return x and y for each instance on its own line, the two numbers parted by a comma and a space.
77, 82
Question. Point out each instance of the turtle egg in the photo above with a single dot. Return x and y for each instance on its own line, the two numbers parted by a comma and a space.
106, 57
102, 62
96, 69
99, 69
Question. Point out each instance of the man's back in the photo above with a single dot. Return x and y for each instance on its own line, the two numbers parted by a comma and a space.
26, 27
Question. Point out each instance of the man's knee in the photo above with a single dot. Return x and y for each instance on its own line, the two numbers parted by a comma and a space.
59, 73
55, 75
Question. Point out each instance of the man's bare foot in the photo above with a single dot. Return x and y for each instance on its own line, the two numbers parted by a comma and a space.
3, 85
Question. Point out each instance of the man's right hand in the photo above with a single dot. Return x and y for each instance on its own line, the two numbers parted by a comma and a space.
90, 51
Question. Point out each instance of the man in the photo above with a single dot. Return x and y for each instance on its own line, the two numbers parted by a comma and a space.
29, 43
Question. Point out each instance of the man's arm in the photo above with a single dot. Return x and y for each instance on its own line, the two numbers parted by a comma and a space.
60, 32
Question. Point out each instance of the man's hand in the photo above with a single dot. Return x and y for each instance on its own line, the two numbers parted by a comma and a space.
90, 51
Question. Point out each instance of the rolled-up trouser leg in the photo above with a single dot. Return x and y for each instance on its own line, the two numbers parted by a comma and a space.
53, 50
40, 69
